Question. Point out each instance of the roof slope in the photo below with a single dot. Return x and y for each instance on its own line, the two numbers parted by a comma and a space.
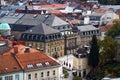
87, 28
29, 60
8, 64
42, 29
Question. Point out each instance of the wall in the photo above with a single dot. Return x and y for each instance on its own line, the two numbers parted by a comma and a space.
45, 74
21, 76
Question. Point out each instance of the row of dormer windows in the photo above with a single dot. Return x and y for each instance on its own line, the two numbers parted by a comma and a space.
89, 33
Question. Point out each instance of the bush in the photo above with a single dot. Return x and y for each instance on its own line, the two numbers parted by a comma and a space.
77, 78
66, 74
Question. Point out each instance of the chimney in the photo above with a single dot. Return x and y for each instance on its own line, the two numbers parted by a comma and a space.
86, 20
27, 50
26, 9
15, 49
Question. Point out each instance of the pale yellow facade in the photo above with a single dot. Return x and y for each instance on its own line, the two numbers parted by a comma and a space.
52, 75
81, 64
51, 48
87, 39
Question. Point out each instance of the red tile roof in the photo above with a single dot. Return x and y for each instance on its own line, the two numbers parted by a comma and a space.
49, 6
55, 11
105, 28
101, 10
34, 59
8, 64
31, 58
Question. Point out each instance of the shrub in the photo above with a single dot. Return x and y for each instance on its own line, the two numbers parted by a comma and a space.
66, 74
77, 78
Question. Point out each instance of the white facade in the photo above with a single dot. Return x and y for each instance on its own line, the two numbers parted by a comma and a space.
12, 76
108, 17
3, 2
66, 61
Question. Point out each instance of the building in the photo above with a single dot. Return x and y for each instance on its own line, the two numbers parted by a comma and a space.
22, 22
86, 33
45, 38
80, 61
104, 18
10, 71
28, 64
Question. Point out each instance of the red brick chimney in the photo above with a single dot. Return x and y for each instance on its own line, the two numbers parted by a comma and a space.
15, 49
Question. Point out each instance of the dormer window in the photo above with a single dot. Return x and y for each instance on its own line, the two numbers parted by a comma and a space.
29, 66
47, 63
39, 64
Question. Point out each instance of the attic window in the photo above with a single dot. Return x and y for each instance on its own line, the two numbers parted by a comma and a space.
29, 66
47, 63
39, 64
20, 22
16, 14
34, 16
7, 13
11, 14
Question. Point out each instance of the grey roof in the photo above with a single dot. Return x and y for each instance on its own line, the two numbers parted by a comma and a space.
97, 14
42, 29
57, 22
11, 18
34, 19
87, 28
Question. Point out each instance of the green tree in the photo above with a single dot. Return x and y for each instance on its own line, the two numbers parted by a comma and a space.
77, 78
114, 30
94, 53
13, 1
108, 49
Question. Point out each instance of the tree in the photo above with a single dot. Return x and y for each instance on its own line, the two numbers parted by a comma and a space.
13, 1
94, 53
114, 30
77, 78
108, 49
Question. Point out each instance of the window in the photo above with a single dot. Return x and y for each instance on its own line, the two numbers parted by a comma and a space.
48, 73
17, 77
53, 72
29, 76
8, 77
42, 74
47, 63
29, 66
48, 50
35, 75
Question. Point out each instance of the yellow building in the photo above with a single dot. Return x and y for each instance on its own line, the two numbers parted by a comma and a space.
35, 64
80, 61
45, 38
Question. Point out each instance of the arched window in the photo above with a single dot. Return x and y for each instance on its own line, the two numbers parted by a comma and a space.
48, 73
29, 76
36, 76
53, 72
42, 74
